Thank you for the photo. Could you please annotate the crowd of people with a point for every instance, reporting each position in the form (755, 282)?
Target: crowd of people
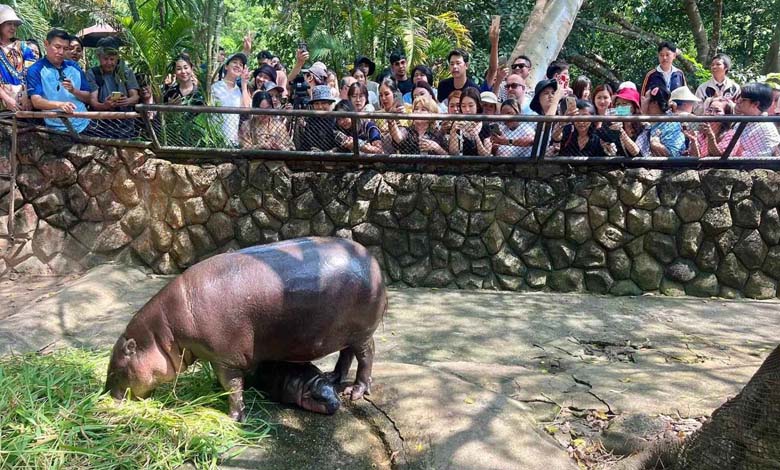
(57, 81)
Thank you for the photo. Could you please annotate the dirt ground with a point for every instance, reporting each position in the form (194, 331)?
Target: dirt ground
(16, 292)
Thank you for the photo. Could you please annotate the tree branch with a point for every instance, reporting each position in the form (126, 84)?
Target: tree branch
(631, 31)
(594, 67)
(698, 30)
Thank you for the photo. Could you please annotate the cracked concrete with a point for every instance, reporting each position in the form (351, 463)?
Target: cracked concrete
(463, 379)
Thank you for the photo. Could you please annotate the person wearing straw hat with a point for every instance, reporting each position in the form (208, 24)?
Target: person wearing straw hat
(773, 82)
(317, 132)
(13, 62)
(682, 100)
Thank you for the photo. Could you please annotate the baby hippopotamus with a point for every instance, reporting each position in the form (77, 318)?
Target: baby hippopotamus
(301, 384)
(293, 301)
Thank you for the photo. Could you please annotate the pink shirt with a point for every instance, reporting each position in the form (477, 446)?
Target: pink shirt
(723, 143)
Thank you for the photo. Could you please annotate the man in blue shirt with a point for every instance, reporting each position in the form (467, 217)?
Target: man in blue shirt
(56, 84)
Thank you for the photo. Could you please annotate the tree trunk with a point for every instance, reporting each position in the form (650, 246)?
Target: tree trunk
(544, 34)
(133, 6)
(743, 434)
(772, 62)
(717, 22)
(698, 30)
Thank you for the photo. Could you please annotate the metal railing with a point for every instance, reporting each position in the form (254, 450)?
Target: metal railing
(193, 133)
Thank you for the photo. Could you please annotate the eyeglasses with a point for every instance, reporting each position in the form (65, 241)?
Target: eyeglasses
(519, 66)
(515, 85)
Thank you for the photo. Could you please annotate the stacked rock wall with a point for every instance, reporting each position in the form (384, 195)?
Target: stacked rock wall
(703, 233)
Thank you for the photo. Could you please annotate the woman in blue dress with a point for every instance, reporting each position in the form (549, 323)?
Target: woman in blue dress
(14, 60)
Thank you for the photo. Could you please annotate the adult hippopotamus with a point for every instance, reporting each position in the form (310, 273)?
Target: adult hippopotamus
(293, 383)
(294, 301)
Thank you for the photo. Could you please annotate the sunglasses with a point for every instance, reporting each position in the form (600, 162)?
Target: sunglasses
(515, 85)
(519, 66)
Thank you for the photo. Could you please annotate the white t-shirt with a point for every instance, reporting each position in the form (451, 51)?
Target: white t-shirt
(524, 130)
(221, 95)
(759, 139)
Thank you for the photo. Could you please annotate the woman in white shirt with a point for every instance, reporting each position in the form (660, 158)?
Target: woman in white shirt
(228, 93)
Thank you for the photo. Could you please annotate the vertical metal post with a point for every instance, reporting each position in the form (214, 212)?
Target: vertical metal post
(11, 194)
(150, 128)
(355, 143)
(734, 140)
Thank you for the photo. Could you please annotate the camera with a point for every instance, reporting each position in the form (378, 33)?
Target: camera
(300, 95)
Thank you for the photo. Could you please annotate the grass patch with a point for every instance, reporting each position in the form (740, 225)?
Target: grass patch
(53, 415)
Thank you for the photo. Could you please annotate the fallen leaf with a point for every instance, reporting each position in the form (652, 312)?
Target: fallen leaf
(469, 400)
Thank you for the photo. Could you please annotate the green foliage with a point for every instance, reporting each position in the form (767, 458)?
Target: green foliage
(155, 41)
(55, 415)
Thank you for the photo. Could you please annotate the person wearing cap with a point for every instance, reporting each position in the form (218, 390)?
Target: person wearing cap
(759, 139)
(400, 74)
(228, 93)
(665, 75)
(13, 62)
(57, 84)
(627, 97)
(110, 77)
(719, 84)
(315, 75)
(489, 103)
(458, 61)
(317, 132)
(276, 92)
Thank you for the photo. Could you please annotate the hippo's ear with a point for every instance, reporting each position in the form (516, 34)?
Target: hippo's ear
(129, 347)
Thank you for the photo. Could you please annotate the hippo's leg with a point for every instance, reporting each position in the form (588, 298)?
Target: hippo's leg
(232, 380)
(341, 370)
(365, 360)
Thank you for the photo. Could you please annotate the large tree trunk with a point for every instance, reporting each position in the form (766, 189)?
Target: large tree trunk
(743, 434)
(544, 34)
(717, 22)
(698, 30)
(772, 62)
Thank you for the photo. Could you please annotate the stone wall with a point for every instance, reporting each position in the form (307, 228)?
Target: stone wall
(624, 232)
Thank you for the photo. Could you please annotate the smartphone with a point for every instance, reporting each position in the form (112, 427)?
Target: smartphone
(116, 95)
(624, 110)
(302, 46)
(692, 126)
(494, 128)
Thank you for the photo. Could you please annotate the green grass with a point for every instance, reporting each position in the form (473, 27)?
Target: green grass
(53, 415)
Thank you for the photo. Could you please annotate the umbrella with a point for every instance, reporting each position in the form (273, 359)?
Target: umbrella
(90, 36)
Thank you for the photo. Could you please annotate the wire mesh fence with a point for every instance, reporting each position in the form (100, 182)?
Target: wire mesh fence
(663, 140)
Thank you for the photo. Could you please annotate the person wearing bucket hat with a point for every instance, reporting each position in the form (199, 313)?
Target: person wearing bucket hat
(626, 103)
(317, 132)
(14, 59)
(261, 75)
(228, 92)
(546, 97)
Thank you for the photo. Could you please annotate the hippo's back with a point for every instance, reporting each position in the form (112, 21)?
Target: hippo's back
(295, 300)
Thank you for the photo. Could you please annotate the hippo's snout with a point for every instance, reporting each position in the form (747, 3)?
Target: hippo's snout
(324, 394)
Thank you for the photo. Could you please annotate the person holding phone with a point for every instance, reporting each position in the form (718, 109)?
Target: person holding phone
(470, 137)
(512, 138)
(57, 84)
(713, 138)
(114, 88)
(14, 57)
